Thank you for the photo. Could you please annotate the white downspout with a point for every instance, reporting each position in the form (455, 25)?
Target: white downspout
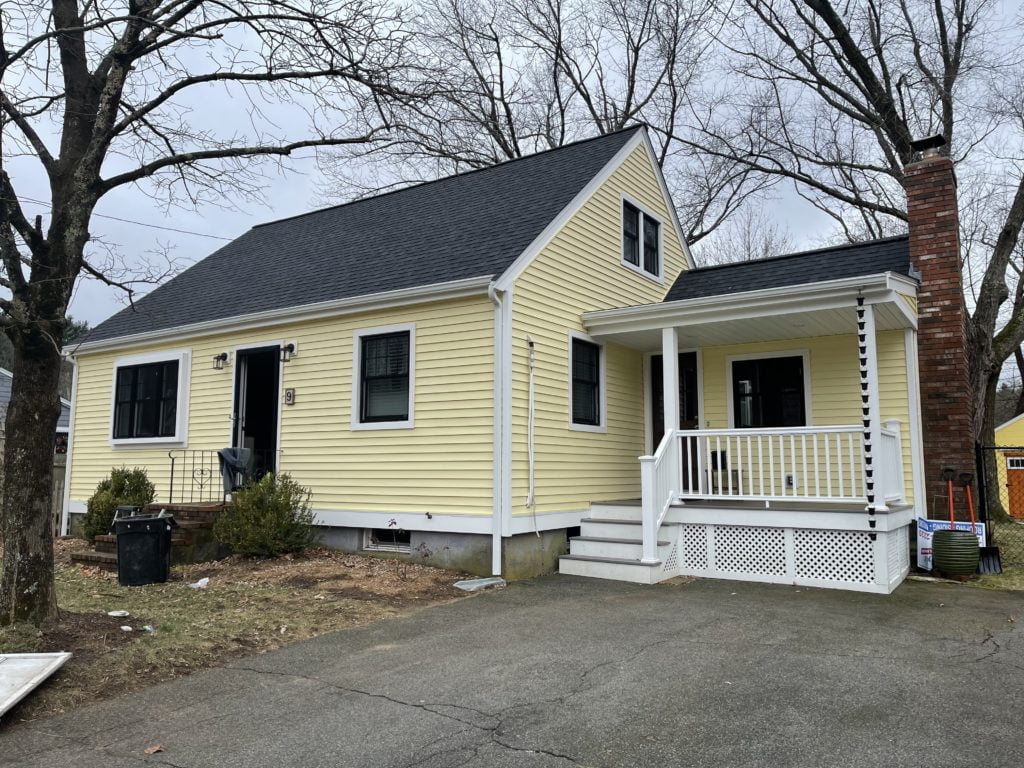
(65, 510)
(498, 475)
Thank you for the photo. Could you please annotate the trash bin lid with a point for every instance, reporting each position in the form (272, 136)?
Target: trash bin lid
(142, 523)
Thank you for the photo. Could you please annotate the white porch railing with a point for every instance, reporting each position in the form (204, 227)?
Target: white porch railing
(818, 464)
(891, 479)
(659, 480)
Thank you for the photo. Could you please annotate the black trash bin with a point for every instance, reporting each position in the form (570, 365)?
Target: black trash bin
(143, 548)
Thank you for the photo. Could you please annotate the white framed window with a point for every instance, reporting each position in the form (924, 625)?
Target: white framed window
(769, 389)
(384, 377)
(587, 385)
(149, 399)
(642, 239)
(1015, 462)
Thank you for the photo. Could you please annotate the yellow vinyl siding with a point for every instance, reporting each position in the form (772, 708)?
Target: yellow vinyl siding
(1011, 436)
(442, 465)
(834, 378)
(580, 270)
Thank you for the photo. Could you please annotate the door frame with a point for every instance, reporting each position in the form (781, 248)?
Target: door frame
(251, 347)
(649, 445)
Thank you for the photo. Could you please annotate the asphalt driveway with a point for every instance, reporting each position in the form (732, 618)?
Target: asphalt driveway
(563, 671)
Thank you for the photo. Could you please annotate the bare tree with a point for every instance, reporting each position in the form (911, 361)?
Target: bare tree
(830, 96)
(100, 95)
(750, 233)
(516, 78)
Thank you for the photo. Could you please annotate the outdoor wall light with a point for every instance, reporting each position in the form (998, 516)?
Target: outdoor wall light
(286, 352)
(219, 361)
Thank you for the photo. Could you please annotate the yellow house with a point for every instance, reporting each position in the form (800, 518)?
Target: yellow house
(473, 371)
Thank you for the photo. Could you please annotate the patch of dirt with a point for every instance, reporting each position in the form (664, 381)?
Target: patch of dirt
(249, 606)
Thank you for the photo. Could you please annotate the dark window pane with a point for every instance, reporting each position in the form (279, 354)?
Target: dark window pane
(769, 392)
(630, 234)
(586, 384)
(384, 370)
(146, 400)
(652, 256)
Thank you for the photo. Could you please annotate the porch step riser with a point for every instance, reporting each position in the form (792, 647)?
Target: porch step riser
(615, 512)
(595, 569)
(609, 530)
(631, 551)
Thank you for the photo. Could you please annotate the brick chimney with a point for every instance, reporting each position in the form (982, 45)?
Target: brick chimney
(946, 400)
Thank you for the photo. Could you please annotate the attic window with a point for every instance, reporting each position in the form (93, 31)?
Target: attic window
(641, 240)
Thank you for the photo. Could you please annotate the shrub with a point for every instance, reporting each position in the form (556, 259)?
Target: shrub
(268, 518)
(124, 486)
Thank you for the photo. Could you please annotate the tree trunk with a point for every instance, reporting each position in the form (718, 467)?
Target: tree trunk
(26, 584)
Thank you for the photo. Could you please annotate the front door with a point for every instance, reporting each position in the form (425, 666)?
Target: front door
(689, 403)
(256, 404)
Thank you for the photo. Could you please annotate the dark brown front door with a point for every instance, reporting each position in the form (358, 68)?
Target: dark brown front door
(689, 403)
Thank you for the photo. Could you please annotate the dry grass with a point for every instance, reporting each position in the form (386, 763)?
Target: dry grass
(248, 607)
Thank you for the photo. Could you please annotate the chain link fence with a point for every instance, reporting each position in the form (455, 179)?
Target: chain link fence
(1002, 499)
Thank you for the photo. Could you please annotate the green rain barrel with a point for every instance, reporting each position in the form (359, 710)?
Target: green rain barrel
(955, 552)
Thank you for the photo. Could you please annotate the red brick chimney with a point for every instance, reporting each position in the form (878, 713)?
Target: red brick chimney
(946, 399)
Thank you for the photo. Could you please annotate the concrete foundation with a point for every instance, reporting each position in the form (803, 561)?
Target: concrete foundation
(522, 557)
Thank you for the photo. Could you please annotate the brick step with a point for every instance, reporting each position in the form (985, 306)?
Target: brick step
(205, 512)
(107, 560)
(105, 542)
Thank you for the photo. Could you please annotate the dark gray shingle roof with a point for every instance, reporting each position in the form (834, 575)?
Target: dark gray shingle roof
(869, 258)
(471, 225)
(6, 379)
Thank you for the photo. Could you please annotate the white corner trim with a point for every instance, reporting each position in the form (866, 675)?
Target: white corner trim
(914, 428)
(602, 385)
(65, 508)
(804, 353)
(508, 277)
(357, 368)
(180, 437)
(455, 289)
(648, 213)
(652, 155)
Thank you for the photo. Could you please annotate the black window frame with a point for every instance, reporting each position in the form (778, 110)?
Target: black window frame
(365, 379)
(130, 412)
(778, 398)
(592, 384)
(638, 250)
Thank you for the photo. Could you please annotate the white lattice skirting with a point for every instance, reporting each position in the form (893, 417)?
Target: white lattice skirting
(813, 557)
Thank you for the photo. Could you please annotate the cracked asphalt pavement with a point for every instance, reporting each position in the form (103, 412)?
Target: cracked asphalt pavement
(562, 671)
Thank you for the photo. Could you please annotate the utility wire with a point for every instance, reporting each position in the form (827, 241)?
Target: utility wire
(139, 223)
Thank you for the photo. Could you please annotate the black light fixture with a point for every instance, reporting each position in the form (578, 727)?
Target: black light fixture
(286, 352)
(219, 361)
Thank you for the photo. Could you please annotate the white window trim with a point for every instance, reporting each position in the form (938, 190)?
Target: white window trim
(357, 367)
(646, 211)
(805, 354)
(180, 437)
(602, 385)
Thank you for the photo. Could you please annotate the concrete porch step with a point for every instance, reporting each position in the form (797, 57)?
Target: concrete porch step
(615, 568)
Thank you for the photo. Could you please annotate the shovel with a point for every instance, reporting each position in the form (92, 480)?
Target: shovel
(990, 561)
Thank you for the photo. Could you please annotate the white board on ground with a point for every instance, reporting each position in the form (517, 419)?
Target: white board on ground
(21, 673)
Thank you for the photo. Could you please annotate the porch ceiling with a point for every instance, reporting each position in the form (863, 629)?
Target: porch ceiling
(822, 309)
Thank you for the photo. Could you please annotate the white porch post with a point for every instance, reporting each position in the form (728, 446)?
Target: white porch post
(670, 377)
(870, 411)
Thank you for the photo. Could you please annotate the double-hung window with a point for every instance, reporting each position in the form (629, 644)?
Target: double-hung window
(147, 400)
(769, 392)
(385, 379)
(586, 371)
(641, 240)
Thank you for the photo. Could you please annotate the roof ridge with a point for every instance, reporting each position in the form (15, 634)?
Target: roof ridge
(810, 252)
(510, 161)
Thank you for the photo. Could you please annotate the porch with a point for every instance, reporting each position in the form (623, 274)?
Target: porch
(775, 493)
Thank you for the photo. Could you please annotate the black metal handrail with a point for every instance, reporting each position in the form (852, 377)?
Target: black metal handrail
(196, 475)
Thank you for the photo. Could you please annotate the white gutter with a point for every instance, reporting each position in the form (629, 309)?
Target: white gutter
(454, 289)
(502, 301)
(748, 304)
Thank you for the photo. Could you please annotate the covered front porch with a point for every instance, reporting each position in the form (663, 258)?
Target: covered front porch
(794, 453)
